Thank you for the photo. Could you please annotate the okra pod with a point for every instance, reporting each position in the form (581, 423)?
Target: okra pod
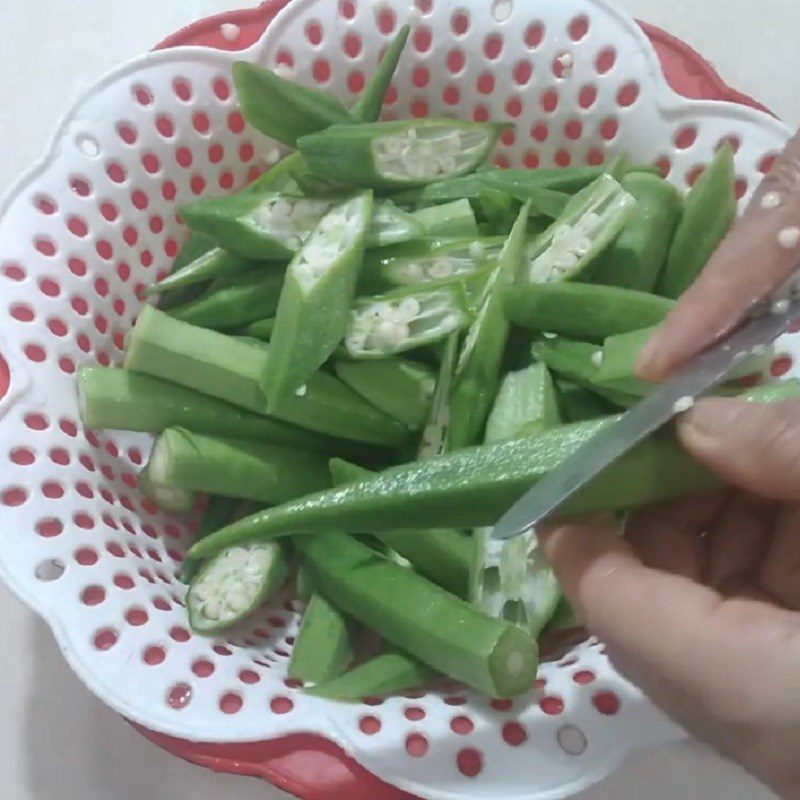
(368, 106)
(636, 258)
(230, 370)
(583, 310)
(221, 510)
(576, 404)
(170, 498)
(391, 225)
(260, 329)
(709, 211)
(442, 191)
(322, 650)
(400, 388)
(120, 399)
(386, 155)
(194, 248)
(235, 467)
(433, 441)
(437, 628)
(591, 221)
(382, 675)
(407, 318)
(284, 110)
(478, 370)
(234, 301)
(454, 220)
(233, 584)
(473, 488)
(212, 264)
(525, 183)
(315, 301)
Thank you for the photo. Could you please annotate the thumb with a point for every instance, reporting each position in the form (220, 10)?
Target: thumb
(754, 446)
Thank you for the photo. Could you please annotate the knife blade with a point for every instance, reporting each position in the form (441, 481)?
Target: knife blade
(667, 400)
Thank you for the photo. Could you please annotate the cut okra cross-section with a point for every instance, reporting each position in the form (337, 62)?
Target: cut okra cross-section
(591, 221)
(398, 154)
(407, 318)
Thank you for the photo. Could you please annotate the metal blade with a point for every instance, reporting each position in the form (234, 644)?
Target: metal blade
(701, 374)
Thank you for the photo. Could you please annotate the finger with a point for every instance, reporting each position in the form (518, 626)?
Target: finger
(780, 569)
(736, 545)
(757, 257)
(754, 446)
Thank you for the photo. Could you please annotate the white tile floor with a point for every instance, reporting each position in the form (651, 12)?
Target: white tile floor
(49, 50)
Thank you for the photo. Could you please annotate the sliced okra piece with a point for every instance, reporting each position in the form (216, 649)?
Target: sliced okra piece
(368, 106)
(212, 264)
(219, 512)
(434, 260)
(591, 221)
(635, 259)
(322, 650)
(315, 301)
(709, 211)
(407, 318)
(235, 467)
(231, 370)
(397, 154)
(233, 584)
(236, 300)
(498, 209)
(577, 404)
(478, 370)
(435, 434)
(391, 225)
(454, 220)
(170, 498)
(278, 178)
(401, 388)
(473, 488)
(284, 110)
(194, 248)
(382, 675)
(443, 191)
(583, 311)
(523, 184)
(442, 631)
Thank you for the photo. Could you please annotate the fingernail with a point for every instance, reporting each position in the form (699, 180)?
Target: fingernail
(713, 417)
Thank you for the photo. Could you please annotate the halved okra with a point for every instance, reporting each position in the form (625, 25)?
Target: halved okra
(478, 370)
(234, 300)
(454, 220)
(591, 221)
(583, 310)
(442, 631)
(473, 488)
(231, 370)
(391, 225)
(235, 467)
(233, 584)
(709, 211)
(435, 434)
(211, 264)
(315, 301)
(636, 258)
(395, 154)
(322, 650)
(401, 388)
(431, 260)
(407, 318)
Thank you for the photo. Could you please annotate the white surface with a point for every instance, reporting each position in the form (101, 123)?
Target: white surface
(45, 707)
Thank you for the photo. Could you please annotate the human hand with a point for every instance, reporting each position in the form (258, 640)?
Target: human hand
(699, 604)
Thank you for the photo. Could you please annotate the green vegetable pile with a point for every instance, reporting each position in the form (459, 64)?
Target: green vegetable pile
(373, 350)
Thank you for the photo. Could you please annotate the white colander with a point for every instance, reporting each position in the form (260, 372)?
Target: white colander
(96, 220)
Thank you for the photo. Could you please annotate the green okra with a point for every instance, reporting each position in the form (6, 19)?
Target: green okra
(194, 248)
(121, 399)
(498, 209)
(368, 106)
(386, 155)
(221, 510)
(170, 498)
(322, 650)
(576, 404)
(443, 191)
(237, 300)
(382, 675)
(315, 301)
(391, 225)
(211, 264)
(260, 329)
(709, 211)
(401, 388)
(590, 222)
(478, 371)
(454, 220)
(230, 370)
(636, 258)
(303, 586)
(233, 584)
(284, 110)
(435, 434)
(473, 488)
(235, 467)
(440, 630)
(431, 260)
(407, 318)
(443, 556)
(526, 184)
(583, 310)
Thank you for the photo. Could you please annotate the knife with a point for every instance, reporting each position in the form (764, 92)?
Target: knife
(702, 373)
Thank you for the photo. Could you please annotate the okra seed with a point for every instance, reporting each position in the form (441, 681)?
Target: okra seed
(770, 201)
(301, 391)
(789, 238)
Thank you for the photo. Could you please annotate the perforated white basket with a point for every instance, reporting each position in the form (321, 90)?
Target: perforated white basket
(97, 219)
